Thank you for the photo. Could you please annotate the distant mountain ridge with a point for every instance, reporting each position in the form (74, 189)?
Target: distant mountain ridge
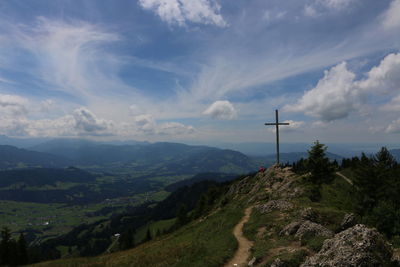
(396, 154)
(162, 156)
(12, 157)
(155, 157)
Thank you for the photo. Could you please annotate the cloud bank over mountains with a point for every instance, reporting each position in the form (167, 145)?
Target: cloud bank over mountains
(80, 122)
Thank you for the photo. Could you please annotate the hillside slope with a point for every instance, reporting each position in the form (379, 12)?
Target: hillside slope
(13, 157)
(284, 228)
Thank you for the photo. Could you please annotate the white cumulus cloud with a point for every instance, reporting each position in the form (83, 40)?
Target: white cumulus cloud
(310, 11)
(391, 18)
(394, 127)
(146, 124)
(385, 77)
(87, 122)
(223, 110)
(182, 11)
(338, 94)
(393, 105)
(175, 128)
(333, 98)
(12, 105)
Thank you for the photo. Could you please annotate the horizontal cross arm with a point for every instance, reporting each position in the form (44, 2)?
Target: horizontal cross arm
(280, 123)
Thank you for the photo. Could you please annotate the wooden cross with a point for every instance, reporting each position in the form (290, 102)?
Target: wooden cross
(277, 123)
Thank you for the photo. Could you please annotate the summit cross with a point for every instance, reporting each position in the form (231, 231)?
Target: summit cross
(277, 123)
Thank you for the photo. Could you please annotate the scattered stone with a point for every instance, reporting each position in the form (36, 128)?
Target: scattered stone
(277, 263)
(291, 229)
(356, 246)
(251, 263)
(396, 257)
(312, 229)
(259, 197)
(292, 192)
(272, 205)
(309, 214)
(241, 187)
(301, 228)
(349, 220)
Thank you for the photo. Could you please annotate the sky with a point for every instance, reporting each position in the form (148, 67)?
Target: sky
(201, 70)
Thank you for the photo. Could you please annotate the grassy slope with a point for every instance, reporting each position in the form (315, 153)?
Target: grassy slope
(207, 242)
(210, 242)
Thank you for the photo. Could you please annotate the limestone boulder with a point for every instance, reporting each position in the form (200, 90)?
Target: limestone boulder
(357, 246)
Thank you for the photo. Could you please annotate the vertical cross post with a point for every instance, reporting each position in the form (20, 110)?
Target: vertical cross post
(277, 135)
(276, 124)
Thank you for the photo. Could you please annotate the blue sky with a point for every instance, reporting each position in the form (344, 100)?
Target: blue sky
(201, 70)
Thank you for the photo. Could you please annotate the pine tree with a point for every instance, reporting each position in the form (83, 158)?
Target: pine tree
(318, 164)
(182, 217)
(201, 206)
(5, 246)
(158, 233)
(384, 160)
(126, 240)
(13, 253)
(148, 235)
(22, 250)
(375, 180)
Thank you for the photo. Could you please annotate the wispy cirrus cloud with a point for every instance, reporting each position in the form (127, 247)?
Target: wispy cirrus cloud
(68, 56)
(318, 7)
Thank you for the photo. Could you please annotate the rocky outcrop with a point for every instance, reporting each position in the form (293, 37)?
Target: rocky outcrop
(241, 187)
(309, 214)
(302, 228)
(357, 246)
(348, 221)
(291, 229)
(396, 257)
(312, 229)
(252, 261)
(272, 205)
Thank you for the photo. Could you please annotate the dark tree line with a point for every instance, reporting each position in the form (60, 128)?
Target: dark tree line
(12, 252)
(376, 185)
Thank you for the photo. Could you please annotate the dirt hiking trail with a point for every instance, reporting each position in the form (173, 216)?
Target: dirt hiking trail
(244, 245)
